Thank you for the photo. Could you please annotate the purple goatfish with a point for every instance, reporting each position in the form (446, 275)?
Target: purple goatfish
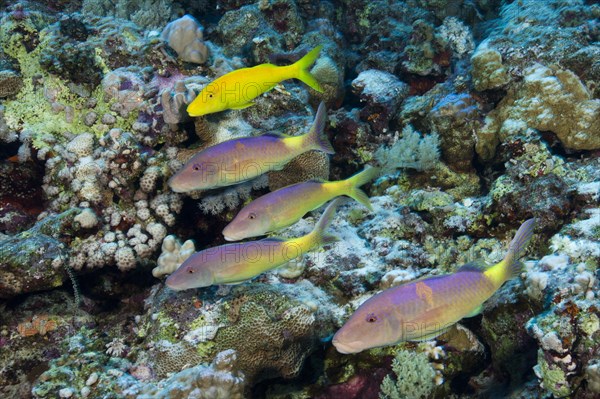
(238, 160)
(284, 207)
(423, 309)
(238, 262)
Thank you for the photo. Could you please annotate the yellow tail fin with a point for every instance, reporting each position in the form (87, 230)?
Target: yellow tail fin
(302, 65)
(353, 183)
(510, 266)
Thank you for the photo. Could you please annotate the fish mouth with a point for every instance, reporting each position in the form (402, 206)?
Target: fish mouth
(170, 285)
(172, 183)
(229, 236)
(345, 347)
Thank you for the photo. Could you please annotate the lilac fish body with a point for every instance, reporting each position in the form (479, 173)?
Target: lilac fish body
(423, 309)
(284, 207)
(238, 262)
(238, 160)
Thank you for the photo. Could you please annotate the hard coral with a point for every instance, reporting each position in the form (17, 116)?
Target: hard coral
(272, 331)
(307, 166)
(456, 118)
(10, 83)
(544, 94)
(184, 35)
(382, 92)
(173, 255)
(30, 261)
(220, 380)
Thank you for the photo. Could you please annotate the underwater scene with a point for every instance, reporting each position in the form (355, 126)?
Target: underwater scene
(293, 199)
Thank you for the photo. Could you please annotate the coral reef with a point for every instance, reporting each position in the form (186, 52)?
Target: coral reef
(482, 114)
(221, 380)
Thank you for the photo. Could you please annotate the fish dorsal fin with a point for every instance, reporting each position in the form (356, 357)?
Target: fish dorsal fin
(277, 135)
(475, 266)
(431, 336)
(268, 65)
(273, 239)
(316, 180)
(423, 278)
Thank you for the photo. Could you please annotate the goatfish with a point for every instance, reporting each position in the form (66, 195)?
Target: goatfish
(423, 309)
(238, 160)
(237, 89)
(284, 207)
(238, 262)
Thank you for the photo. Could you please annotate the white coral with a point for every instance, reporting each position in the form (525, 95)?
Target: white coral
(184, 35)
(457, 35)
(86, 218)
(116, 347)
(411, 151)
(173, 255)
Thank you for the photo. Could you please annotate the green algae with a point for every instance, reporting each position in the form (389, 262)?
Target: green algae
(32, 110)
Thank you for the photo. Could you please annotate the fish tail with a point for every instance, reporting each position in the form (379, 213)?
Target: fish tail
(321, 237)
(301, 69)
(511, 265)
(353, 183)
(316, 138)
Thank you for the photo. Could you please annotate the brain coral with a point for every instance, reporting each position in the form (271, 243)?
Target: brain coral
(310, 165)
(271, 333)
(10, 83)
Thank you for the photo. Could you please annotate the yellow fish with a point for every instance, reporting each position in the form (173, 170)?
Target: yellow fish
(237, 89)
(423, 309)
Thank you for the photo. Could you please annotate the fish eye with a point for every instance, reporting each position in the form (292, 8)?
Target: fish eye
(371, 318)
(210, 95)
(191, 271)
(252, 216)
(196, 167)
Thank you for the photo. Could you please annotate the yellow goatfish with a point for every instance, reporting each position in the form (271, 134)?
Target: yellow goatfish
(237, 89)
(238, 160)
(284, 207)
(423, 309)
(235, 263)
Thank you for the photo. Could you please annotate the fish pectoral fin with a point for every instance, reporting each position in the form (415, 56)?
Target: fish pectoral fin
(475, 311)
(242, 106)
(235, 282)
(276, 135)
(425, 327)
(273, 239)
(431, 336)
